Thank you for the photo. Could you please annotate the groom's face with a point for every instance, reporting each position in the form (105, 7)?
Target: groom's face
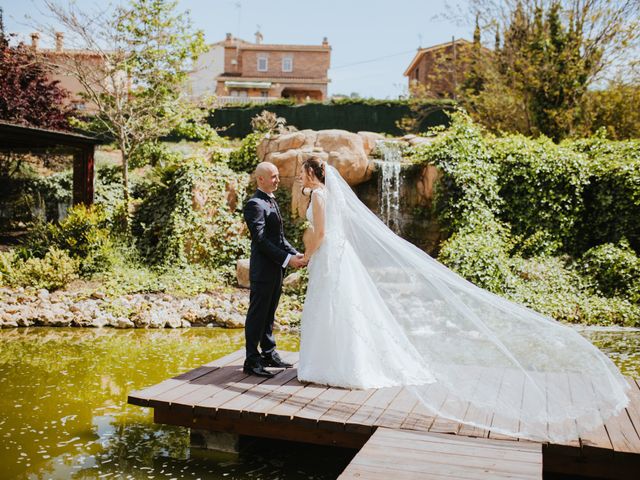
(271, 179)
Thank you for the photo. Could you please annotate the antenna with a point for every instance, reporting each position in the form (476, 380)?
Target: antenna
(238, 5)
(419, 40)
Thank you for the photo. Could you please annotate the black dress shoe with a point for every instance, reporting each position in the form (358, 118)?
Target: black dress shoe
(273, 360)
(257, 370)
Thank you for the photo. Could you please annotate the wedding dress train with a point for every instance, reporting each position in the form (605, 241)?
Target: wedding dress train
(380, 312)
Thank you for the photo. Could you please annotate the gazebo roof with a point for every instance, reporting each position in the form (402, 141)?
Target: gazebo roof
(21, 137)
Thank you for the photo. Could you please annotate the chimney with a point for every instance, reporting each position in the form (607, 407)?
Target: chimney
(325, 42)
(229, 37)
(259, 37)
(59, 41)
(35, 38)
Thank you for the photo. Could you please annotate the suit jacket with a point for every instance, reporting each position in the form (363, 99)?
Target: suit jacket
(269, 248)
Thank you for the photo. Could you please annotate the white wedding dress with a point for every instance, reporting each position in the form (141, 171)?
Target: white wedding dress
(380, 312)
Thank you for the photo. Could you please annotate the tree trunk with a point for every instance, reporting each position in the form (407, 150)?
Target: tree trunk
(125, 181)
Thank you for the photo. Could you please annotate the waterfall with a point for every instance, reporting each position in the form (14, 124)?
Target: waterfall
(389, 183)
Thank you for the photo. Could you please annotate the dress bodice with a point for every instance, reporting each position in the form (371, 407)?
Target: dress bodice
(317, 191)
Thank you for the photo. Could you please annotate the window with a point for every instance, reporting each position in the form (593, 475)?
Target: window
(417, 73)
(264, 93)
(263, 63)
(287, 64)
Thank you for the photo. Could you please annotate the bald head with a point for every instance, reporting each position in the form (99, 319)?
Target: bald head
(267, 176)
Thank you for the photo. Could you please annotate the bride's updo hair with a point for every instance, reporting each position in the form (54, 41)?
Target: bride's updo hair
(316, 165)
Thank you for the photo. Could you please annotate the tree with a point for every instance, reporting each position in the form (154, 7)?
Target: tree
(26, 96)
(145, 50)
(548, 54)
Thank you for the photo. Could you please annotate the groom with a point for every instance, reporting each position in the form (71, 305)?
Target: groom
(271, 253)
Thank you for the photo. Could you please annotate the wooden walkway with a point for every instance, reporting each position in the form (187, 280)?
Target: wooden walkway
(219, 397)
(407, 454)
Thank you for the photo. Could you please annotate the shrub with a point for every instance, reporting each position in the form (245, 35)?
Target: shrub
(186, 217)
(614, 269)
(55, 270)
(517, 211)
(83, 234)
(481, 256)
(245, 158)
(542, 186)
(612, 197)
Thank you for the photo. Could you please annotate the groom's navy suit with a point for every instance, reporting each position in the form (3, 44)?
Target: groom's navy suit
(270, 253)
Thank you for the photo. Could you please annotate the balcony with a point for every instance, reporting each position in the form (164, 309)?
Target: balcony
(222, 101)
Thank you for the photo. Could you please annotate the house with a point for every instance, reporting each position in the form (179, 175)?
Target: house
(237, 71)
(61, 62)
(440, 68)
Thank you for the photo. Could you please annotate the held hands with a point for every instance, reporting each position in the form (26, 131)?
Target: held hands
(298, 261)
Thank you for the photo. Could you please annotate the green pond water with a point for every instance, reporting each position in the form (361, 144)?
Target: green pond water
(63, 410)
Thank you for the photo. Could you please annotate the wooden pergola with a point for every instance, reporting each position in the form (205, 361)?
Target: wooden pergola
(22, 139)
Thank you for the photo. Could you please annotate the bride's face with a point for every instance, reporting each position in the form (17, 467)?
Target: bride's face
(307, 178)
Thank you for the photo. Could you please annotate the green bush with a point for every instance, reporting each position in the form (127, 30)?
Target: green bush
(152, 153)
(481, 256)
(614, 269)
(542, 186)
(245, 158)
(84, 234)
(612, 197)
(186, 217)
(55, 270)
(518, 211)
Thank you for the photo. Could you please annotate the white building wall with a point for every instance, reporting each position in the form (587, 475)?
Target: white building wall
(202, 80)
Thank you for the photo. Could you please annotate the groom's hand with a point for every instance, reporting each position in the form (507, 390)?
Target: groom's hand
(297, 261)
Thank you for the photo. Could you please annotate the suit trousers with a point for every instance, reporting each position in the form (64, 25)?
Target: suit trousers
(258, 330)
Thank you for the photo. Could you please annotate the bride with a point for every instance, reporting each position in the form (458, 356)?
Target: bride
(380, 312)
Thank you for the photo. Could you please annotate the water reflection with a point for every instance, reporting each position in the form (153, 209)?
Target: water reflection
(63, 398)
(622, 345)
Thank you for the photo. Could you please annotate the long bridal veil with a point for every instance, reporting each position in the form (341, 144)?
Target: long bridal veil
(492, 364)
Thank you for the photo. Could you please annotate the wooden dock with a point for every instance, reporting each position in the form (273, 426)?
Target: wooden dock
(219, 397)
(407, 454)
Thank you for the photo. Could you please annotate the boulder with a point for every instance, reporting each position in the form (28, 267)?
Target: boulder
(344, 150)
(369, 140)
(346, 154)
(287, 162)
(242, 272)
(426, 182)
(122, 322)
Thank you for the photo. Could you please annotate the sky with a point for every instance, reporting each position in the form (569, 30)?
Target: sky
(373, 41)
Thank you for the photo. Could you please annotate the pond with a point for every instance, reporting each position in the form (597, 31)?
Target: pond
(64, 412)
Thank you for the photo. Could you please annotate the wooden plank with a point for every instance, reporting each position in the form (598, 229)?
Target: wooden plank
(283, 411)
(409, 454)
(511, 393)
(141, 397)
(259, 408)
(448, 465)
(363, 420)
(235, 386)
(336, 417)
(476, 416)
(242, 426)
(419, 418)
(558, 389)
(596, 441)
(623, 435)
(398, 410)
(443, 443)
(312, 411)
(633, 409)
(234, 407)
(213, 380)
